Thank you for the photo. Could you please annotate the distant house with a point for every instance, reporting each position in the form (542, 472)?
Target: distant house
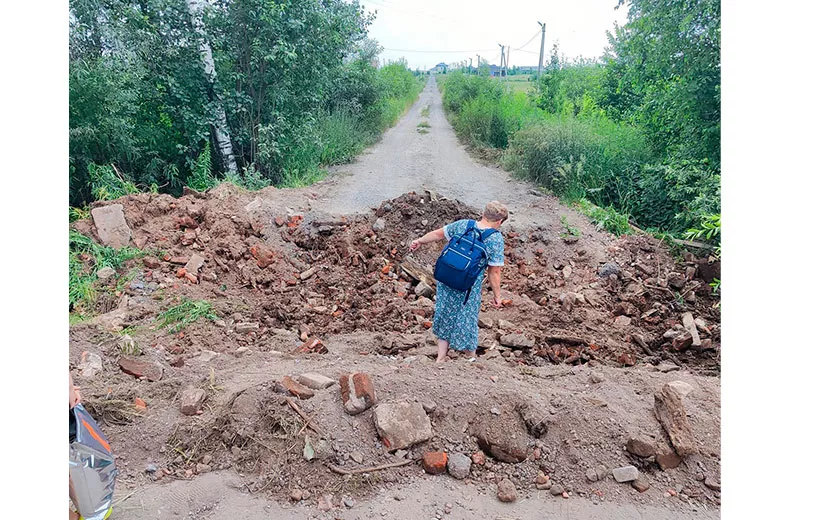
(440, 68)
(494, 70)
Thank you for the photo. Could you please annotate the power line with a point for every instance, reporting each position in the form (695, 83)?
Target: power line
(529, 41)
(437, 51)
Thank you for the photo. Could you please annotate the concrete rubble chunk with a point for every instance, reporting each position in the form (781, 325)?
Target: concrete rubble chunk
(514, 340)
(506, 491)
(681, 388)
(402, 424)
(91, 364)
(625, 474)
(246, 327)
(379, 225)
(689, 324)
(458, 465)
(105, 273)
(503, 436)
(111, 226)
(640, 446)
(357, 392)
(640, 485)
(672, 415)
(140, 366)
(423, 289)
(195, 263)
(315, 381)
(192, 399)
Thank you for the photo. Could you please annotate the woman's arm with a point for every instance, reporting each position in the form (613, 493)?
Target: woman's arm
(432, 236)
(495, 279)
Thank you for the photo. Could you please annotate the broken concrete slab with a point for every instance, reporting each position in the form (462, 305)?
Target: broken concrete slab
(502, 436)
(91, 364)
(625, 474)
(514, 340)
(315, 381)
(672, 415)
(195, 263)
(111, 226)
(192, 399)
(640, 446)
(402, 424)
(689, 324)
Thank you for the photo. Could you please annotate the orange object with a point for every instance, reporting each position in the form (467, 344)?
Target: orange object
(507, 303)
(393, 251)
(181, 272)
(140, 404)
(427, 324)
(386, 268)
(166, 258)
(191, 277)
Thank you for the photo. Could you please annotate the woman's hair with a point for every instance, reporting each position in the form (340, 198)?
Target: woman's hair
(495, 211)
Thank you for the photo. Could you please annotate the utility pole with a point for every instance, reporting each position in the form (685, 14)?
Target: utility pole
(542, 50)
(501, 59)
(470, 66)
(507, 59)
(478, 63)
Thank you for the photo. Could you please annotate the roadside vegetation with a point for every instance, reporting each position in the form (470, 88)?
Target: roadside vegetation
(146, 115)
(633, 137)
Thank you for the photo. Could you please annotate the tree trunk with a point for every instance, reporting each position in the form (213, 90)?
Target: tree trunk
(220, 127)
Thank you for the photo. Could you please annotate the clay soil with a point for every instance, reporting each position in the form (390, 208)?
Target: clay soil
(594, 313)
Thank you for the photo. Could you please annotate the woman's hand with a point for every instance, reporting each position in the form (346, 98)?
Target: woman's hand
(497, 302)
(415, 244)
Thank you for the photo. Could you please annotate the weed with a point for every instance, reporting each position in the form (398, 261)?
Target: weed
(422, 131)
(605, 218)
(188, 311)
(425, 111)
(570, 231)
(710, 230)
(128, 346)
(424, 124)
(106, 183)
(716, 285)
(200, 178)
(86, 257)
(78, 213)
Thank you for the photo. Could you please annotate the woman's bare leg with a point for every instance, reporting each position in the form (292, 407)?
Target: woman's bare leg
(442, 355)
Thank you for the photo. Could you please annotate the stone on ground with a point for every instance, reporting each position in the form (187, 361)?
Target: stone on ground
(402, 424)
(672, 415)
(502, 436)
(111, 226)
(506, 490)
(140, 366)
(296, 389)
(458, 465)
(434, 462)
(105, 273)
(315, 381)
(625, 473)
(91, 364)
(192, 399)
(514, 340)
(640, 446)
(640, 484)
(195, 263)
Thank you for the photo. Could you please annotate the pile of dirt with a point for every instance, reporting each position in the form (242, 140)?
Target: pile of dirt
(283, 283)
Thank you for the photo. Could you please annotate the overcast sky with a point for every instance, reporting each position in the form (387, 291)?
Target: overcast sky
(476, 26)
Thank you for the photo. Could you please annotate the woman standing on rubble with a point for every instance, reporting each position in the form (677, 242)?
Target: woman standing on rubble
(456, 317)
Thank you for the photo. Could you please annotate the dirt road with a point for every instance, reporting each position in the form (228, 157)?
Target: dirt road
(592, 407)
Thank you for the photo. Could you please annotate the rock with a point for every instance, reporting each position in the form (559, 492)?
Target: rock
(596, 377)
(625, 474)
(206, 356)
(542, 478)
(534, 419)
(682, 341)
(264, 256)
(502, 437)
(297, 495)
(105, 273)
(202, 468)
(195, 263)
(379, 225)
(191, 400)
(668, 367)
(478, 458)
(296, 389)
(514, 340)
(625, 309)
(151, 468)
(357, 392)
(505, 325)
(91, 364)
(434, 462)
(241, 351)
(506, 490)
(667, 459)
(557, 489)
(324, 503)
(246, 327)
(357, 457)
(608, 269)
(676, 280)
(640, 446)
(151, 262)
(348, 502)
(712, 483)
(111, 226)
(486, 323)
(640, 484)
(596, 474)
(458, 465)
(141, 367)
(305, 275)
(672, 415)
(315, 381)
(567, 272)
(429, 405)
(701, 325)
(626, 359)
(681, 388)
(402, 424)
(623, 321)
(423, 289)
(689, 325)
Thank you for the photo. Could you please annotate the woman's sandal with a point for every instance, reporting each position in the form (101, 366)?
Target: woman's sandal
(109, 512)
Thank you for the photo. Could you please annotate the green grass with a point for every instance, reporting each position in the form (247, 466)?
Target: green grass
(183, 314)
(605, 218)
(425, 111)
(86, 257)
(423, 124)
(570, 230)
(422, 131)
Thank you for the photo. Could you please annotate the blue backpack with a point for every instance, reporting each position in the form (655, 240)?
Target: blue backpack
(463, 258)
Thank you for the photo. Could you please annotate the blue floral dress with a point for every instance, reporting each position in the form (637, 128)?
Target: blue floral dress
(453, 320)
